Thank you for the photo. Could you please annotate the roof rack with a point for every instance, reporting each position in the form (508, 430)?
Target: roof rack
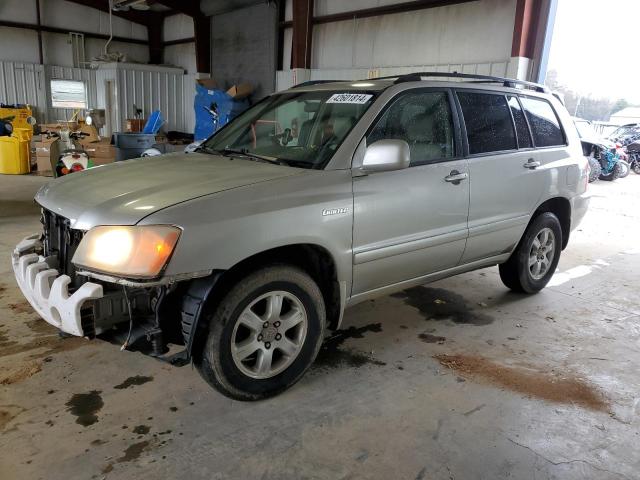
(507, 82)
(316, 82)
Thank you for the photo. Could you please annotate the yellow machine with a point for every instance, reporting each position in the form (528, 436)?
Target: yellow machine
(14, 143)
(20, 114)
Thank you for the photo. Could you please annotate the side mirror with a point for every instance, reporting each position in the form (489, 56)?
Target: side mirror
(386, 155)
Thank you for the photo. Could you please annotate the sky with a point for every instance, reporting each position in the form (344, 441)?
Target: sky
(595, 47)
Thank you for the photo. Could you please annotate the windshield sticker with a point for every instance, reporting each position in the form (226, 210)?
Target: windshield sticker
(357, 98)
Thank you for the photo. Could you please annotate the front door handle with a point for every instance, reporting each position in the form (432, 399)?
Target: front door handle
(531, 164)
(456, 177)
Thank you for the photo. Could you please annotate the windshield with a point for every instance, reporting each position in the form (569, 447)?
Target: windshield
(299, 129)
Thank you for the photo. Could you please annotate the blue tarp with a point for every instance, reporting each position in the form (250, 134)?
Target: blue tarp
(218, 101)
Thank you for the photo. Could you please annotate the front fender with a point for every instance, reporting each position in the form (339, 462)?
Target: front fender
(221, 230)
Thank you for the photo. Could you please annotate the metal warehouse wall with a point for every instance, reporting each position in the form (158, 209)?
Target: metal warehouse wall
(473, 37)
(170, 92)
(23, 83)
(21, 45)
(146, 86)
(243, 47)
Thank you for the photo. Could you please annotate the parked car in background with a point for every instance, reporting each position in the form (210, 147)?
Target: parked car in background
(248, 251)
(625, 134)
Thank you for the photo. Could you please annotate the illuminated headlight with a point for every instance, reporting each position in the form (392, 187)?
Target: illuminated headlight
(130, 251)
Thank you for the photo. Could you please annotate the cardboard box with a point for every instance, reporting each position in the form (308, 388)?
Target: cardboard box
(42, 147)
(100, 153)
(242, 90)
(208, 83)
(135, 124)
(91, 131)
(43, 164)
(56, 127)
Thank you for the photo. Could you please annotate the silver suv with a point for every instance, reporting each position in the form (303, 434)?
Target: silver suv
(317, 198)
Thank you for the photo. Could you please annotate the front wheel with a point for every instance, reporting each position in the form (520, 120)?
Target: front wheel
(534, 261)
(594, 169)
(635, 166)
(264, 335)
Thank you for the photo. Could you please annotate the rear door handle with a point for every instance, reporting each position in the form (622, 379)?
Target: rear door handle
(456, 177)
(531, 164)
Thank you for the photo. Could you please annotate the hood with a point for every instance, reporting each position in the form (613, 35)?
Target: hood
(123, 193)
(595, 140)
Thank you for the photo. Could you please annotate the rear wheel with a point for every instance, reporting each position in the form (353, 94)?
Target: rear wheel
(624, 169)
(534, 261)
(635, 166)
(613, 175)
(264, 335)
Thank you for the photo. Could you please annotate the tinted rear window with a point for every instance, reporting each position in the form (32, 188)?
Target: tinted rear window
(545, 125)
(522, 129)
(488, 122)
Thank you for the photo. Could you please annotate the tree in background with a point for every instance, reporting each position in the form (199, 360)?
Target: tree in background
(620, 105)
(585, 106)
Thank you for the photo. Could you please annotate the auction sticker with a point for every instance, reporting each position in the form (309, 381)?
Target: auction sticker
(357, 98)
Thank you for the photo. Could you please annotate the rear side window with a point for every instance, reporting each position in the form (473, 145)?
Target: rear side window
(545, 125)
(522, 129)
(488, 122)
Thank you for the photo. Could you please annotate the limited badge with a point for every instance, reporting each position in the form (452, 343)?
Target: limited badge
(334, 211)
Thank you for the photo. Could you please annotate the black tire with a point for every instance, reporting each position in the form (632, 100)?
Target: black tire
(624, 169)
(614, 175)
(216, 364)
(594, 169)
(635, 166)
(515, 272)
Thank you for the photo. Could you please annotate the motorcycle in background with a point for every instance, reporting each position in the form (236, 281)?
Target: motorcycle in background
(66, 157)
(633, 151)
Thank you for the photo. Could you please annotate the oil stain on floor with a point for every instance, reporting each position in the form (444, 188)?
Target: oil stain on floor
(331, 354)
(440, 304)
(547, 386)
(132, 453)
(85, 406)
(428, 338)
(133, 381)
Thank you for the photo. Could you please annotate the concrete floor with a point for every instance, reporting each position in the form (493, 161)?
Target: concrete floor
(457, 380)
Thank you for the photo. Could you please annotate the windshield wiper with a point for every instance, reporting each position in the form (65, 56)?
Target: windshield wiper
(245, 153)
(206, 149)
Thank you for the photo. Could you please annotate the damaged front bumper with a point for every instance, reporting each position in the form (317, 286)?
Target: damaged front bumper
(48, 292)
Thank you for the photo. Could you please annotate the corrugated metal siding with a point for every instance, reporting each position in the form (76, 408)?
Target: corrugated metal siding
(150, 89)
(23, 83)
(284, 78)
(171, 93)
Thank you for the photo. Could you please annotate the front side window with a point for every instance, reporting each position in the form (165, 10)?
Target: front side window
(301, 129)
(545, 125)
(424, 121)
(488, 122)
(522, 129)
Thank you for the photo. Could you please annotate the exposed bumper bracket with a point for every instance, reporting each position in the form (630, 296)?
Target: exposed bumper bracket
(47, 291)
